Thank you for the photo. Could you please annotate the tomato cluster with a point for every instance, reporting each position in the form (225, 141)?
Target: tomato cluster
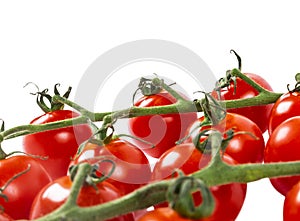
(283, 146)
(281, 120)
(39, 185)
(246, 146)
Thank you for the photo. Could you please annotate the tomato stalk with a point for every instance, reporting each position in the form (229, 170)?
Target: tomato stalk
(3, 155)
(31, 128)
(182, 105)
(264, 96)
(155, 192)
(9, 181)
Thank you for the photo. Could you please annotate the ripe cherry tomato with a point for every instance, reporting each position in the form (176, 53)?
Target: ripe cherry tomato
(162, 214)
(161, 130)
(58, 145)
(258, 114)
(291, 207)
(22, 190)
(283, 145)
(53, 195)
(247, 145)
(287, 106)
(229, 198)
(5, 217)
(132, 168)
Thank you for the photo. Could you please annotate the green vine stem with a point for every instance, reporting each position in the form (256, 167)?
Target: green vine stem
(31, 128)
(264, 96)
(154, 193)
(182, 105)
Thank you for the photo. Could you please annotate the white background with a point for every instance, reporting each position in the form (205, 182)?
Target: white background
(49, 42)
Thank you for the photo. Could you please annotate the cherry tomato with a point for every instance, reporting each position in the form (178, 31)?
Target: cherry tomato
(58, 145)
(132, 168)
(53, 195)
(22, 190)
(283, 145)
(5, 217)
(247, 145)
(258, 114)
(287, 106)
(161, 130)
(229, 198)
(162, 214)
(291, 207)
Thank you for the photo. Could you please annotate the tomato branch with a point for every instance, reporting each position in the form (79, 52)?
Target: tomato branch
(263, 98)
(182, 105)
(237, 73)
(31, 128)
(216, 173)
(155, 192)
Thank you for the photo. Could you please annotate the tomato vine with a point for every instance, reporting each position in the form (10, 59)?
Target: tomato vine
(154, 193)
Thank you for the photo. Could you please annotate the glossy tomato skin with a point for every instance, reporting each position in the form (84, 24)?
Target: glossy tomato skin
(21, 191)
(229, 198)
(282, 146)
(258, 114)
(53, 195)
(287, 106)
(248, 145)
(162, 214)
(132, 168)
(58, 145)
(5, 217)
(161, 130)
(291, 207)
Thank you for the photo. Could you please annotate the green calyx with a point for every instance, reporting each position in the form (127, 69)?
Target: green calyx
(229, 78)
(180, 197)
(42, 95)
(297, 85)
(93, 177)
(149, 87)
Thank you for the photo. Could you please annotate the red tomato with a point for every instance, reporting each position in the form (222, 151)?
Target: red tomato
(287, 106)
(22, 190)
(53, 195)
(59, 145)
(161, 130)
(5, 217)
(229, 198)
(258, 114)
(162, 214)
(282, 146)
(245, 147)
(291, 207)
(132, 168)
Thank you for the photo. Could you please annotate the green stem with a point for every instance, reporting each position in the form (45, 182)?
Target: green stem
(3, 155)
(173, 92)
(82, 110)
(70, 206)
(265, 97)
(238, 73)
(155, 192)
(34, 128)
